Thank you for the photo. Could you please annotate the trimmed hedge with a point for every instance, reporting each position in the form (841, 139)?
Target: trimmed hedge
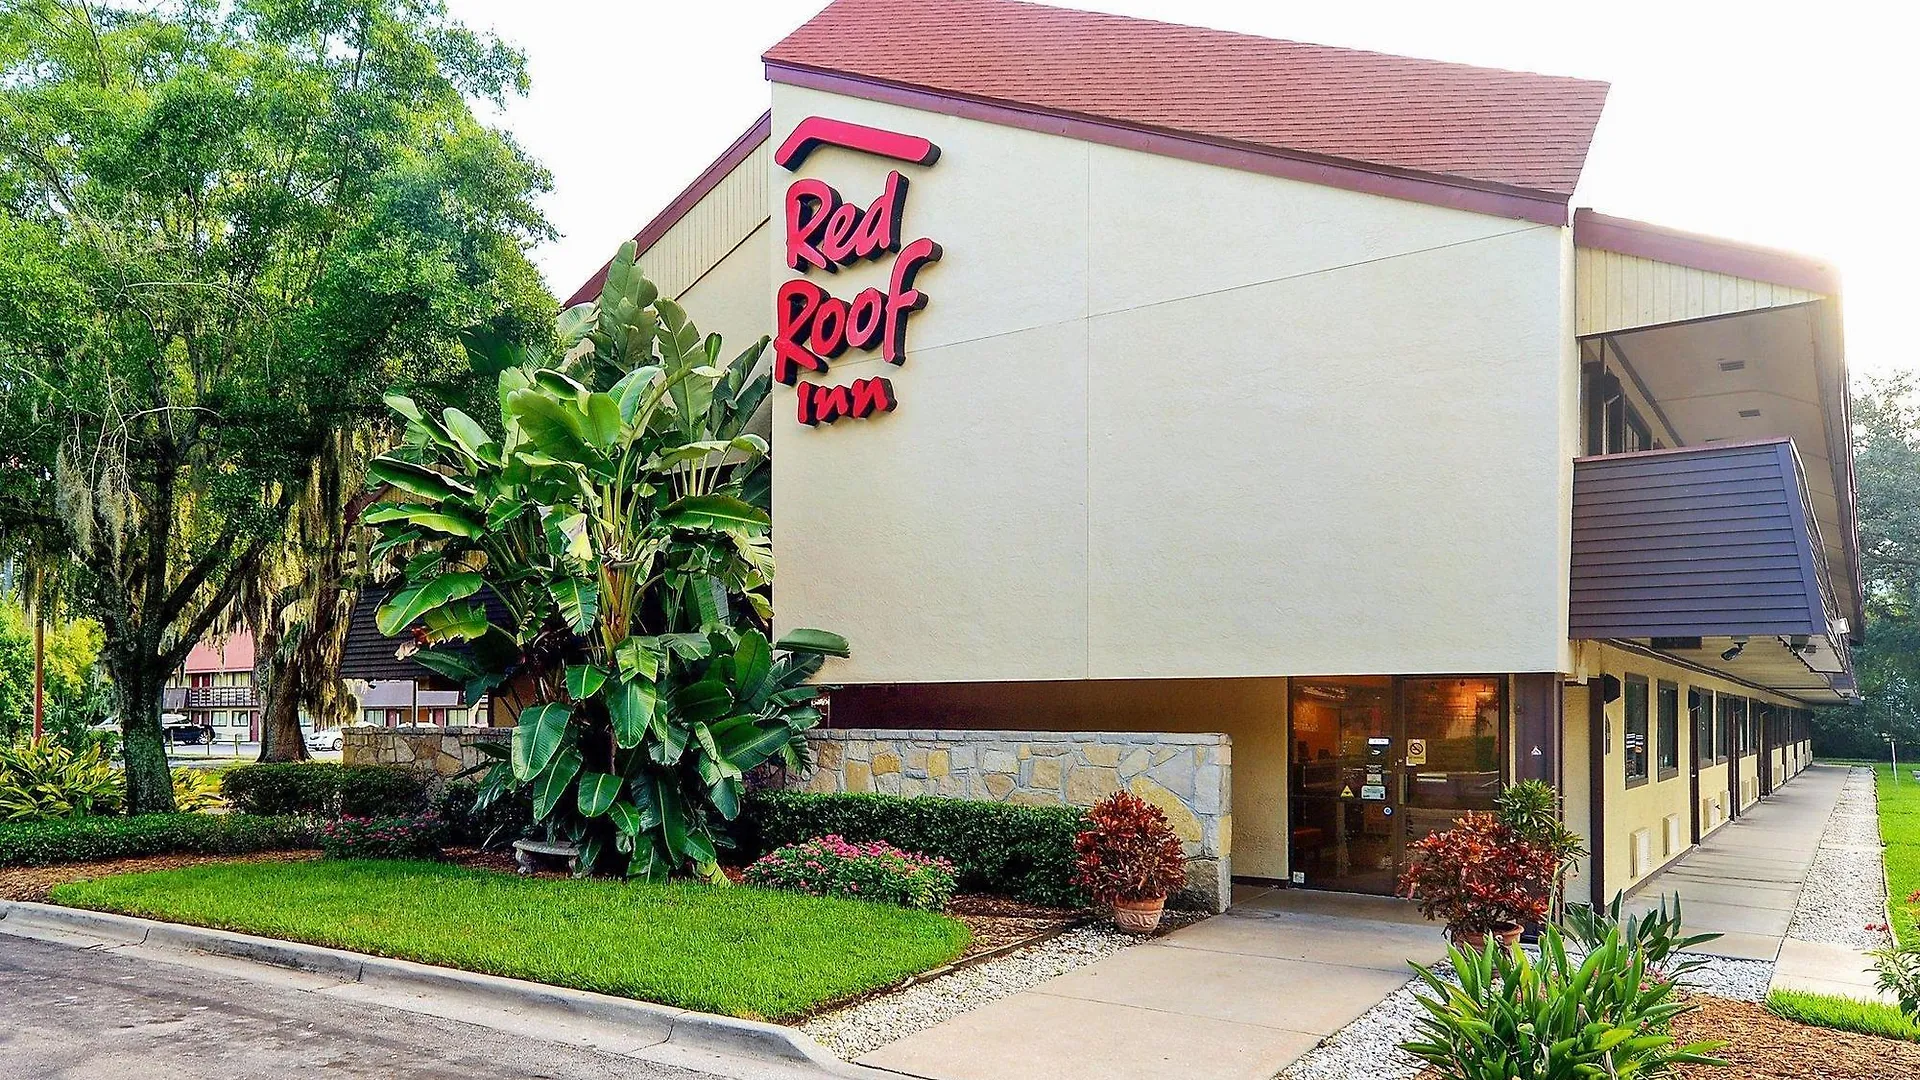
(1022, 852)
(508, 819)
(89, 839)
(326, 789)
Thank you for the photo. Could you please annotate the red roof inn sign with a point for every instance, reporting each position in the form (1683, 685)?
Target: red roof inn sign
(826, 233)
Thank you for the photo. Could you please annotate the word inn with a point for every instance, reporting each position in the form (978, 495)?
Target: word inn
(825, 232)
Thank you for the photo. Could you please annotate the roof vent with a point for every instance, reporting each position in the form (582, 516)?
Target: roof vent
(1748, 414)
(1733, 365)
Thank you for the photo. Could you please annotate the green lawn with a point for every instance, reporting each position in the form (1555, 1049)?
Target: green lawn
(1900, 829)
(1843, 1014)
(744, 952)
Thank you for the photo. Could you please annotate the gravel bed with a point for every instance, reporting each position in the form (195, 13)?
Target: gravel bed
(868, 1025)
(1369, 1047)
(1726, 977)
(1846, 891)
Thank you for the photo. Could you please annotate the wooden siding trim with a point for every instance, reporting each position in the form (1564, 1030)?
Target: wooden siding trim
(1616, 292)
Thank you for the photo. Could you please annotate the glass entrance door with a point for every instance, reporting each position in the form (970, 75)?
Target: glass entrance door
(1377, 762)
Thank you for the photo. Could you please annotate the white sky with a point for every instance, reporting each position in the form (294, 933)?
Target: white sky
(1785, 125)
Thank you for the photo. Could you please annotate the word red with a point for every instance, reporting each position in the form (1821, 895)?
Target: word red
(812, 326)
(822, 231)
(825, 404)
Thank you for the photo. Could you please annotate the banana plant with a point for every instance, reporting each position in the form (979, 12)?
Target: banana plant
(616, 520)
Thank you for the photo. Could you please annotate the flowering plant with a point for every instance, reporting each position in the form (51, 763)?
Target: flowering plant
(418, 837)
(876, 871)
(1481, 876)
(1129, 852)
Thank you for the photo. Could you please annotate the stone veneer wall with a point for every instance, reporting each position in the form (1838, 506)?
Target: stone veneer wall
(443, 750)
(1187, 776)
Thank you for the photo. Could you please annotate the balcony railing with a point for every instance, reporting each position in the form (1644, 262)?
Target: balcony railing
(220, 697)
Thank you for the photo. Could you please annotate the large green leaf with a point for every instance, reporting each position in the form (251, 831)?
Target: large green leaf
(551, 785)
(473, 438)
(579, 601)
(555, 428)
(407, 605)
(633, 390)
(417, 480)
(746, 748)
(670, 739)
(630, 704)
(708, 699)
(715, 513)
(602, 420)
(639, 657)
(584, 681)
(753, 670)
(673, 817)
(597, 790)
(625, 818)
(822, 642)
(537, 738)
(462, 620)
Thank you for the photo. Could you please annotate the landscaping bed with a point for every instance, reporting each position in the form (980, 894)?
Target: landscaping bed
(739, 951)
(1768, 1047)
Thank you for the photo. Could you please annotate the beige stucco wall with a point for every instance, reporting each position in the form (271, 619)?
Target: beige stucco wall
(1253, 712)
(1160, 419)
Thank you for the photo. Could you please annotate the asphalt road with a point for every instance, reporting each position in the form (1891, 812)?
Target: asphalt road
(68, 1013)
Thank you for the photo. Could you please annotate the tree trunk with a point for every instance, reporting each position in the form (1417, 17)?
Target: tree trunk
(139, 688)
(280, 736)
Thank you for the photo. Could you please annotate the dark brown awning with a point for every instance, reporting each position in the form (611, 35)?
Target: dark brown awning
(1679, 549)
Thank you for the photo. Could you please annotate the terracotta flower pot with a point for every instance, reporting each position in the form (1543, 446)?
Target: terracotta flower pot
(1509, 936)
(1138, 916)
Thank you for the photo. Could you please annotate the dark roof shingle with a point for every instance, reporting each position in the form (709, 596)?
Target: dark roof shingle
(1482, 125)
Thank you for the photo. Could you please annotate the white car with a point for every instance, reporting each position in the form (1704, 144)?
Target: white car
(329, 739)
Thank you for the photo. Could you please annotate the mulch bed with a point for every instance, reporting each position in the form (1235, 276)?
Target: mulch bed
(33, 883)
(1763, 1046)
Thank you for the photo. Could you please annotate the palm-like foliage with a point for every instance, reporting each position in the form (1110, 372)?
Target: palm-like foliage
(624, 534)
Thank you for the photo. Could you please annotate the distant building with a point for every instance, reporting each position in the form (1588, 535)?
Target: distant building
(402, 702)
(214, 689)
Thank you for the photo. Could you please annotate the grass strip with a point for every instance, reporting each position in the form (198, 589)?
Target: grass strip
(738, 951)
(1843, 1014)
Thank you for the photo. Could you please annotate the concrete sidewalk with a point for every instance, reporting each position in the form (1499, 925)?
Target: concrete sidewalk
(1237, 997)
(1745, 878)
(1745, 881)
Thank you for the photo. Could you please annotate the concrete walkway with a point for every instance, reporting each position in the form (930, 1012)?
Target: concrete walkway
(1745, 880)
(1236, 997)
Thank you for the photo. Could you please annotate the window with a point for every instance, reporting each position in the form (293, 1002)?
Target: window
(1737, 728)
(1666, 743)
(1701, 704)
(1636, 742)
(1613, 425)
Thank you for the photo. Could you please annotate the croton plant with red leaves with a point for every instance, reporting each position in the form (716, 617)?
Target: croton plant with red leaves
(1128, 852)
(1480, 876)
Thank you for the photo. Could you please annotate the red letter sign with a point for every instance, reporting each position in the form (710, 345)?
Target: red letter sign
(825, 232)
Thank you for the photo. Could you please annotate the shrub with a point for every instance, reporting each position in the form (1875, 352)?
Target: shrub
(326, 789)
(195, 790)
(1022, 852)
(44, 778)
(1514, 1018)
(1657, 935)
(875, 871)
(1480, 877)
(419, 836)
(47, 843)
(1898, 973)
(1128, 851)
(501, 822)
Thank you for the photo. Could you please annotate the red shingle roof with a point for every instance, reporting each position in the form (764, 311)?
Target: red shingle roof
(1483, 126)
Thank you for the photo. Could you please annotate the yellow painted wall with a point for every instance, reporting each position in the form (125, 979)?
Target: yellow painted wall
(1575, 783)
(1645, 806)
(1253, 712)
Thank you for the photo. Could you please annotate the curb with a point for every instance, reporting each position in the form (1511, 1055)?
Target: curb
(684, 1029)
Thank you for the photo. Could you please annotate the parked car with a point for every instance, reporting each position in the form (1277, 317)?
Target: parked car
(181, 732)
(330, 739)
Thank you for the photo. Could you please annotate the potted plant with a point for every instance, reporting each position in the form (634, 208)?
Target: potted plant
(1130, 860)
(1482, 879)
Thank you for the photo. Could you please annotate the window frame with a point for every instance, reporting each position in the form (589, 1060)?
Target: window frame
(1663, 692)
(1627, 686)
